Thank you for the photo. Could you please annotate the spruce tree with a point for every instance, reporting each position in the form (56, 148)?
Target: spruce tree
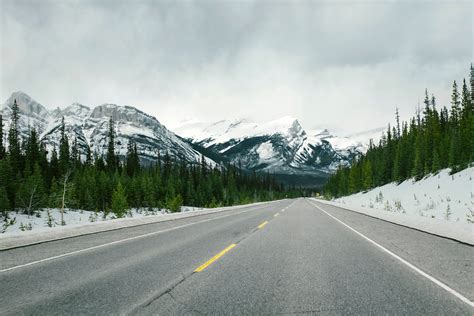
(64, 154)
(14, 148)
(4, 203)
(54, 170)
(367, 174)
(436, 162)
(472, 86)
(32, 150)
(455, 103)
(2, 148)
(31, 194)
(119, 204)
(111, 159)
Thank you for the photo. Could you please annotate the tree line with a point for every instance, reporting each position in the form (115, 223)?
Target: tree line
(32, 179)
(431, 140)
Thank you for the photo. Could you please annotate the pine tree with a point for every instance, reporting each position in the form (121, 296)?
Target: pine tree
(32, 150)
(418, 166)
(119, 203)
(31, 194)
(75, 155)
(2, 148)
(4, 203)
(436, 162)
(132, 159)
(455, 103)
(64, 154)
(472, 86)
(88, 161)
(8, 182)
(111, 158)
(14, 140)
(367, 174)
(397, 118)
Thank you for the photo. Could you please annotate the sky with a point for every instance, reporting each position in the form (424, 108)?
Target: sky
(342, 65)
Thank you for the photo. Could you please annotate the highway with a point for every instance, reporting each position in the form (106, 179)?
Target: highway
(286, 257)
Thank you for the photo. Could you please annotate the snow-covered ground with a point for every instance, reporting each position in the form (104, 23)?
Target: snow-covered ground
(50, 219)
(441, 196)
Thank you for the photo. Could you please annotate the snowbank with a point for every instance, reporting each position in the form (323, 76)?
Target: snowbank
(83, 222)
(441, 204)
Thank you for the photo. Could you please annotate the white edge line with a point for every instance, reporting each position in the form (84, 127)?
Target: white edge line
(426, 275)
(118, 241)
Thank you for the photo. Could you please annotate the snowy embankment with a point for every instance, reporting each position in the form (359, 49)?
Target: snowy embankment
(441, 204)
(48, 228)
(50, 219)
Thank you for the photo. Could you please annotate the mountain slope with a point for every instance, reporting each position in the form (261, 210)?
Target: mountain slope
(282, 147)
(89, 127)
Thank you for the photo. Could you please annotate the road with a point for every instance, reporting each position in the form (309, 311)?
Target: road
(287, 257)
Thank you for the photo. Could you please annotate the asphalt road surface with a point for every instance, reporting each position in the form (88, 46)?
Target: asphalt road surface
(287, 257)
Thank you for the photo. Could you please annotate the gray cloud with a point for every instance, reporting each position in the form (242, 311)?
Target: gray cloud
(345, 65)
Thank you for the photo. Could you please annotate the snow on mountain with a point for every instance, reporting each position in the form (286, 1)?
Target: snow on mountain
(32, 113)
(237, 129)
(279, 146)
(282, 146)
(89, 127)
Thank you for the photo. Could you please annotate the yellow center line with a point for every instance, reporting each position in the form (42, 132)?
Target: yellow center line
(210, 261)
(276, 214)
(262, 224)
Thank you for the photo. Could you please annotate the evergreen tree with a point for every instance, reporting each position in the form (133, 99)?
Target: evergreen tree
(119, 203)
(132, 159)
(472, 86)
(455, 103)
(31, 194)
(54, 169)
(368, 177)
(8, 181)
(2, 148)
(4, 203)
(64, 154)
(14, 148)
(111, 158)
(436, 162)
(32, 150)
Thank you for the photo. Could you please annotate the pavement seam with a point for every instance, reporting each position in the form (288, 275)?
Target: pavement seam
(405, 262)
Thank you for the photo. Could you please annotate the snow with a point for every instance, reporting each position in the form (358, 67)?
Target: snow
(423, 204)
(24, 224)
(225, 130)
(429, 197)
(265, 151)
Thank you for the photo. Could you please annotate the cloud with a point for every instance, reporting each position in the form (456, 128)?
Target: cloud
(332, 64)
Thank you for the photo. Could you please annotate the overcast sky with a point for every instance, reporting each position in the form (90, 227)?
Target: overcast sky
(345, 65)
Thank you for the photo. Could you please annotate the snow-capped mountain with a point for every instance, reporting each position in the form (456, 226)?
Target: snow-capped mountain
(280, 146)
(89, 127)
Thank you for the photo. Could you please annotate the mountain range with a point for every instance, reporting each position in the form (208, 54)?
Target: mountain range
(281, 147)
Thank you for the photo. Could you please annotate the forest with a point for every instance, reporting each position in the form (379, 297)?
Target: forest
(432, 140)
(32, 179)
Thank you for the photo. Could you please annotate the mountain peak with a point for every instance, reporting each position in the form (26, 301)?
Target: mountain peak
(26, 104)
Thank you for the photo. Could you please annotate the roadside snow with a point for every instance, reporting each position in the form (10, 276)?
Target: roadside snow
(441, 204)
(441, 196)
(50, 219)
